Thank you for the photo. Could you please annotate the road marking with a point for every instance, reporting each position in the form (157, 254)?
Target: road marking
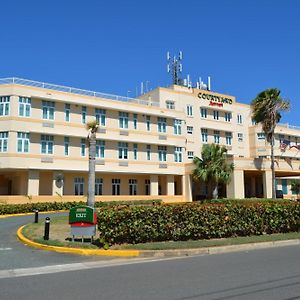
(5, 249)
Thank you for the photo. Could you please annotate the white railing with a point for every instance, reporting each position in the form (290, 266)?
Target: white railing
(287, 125)
(60, 88)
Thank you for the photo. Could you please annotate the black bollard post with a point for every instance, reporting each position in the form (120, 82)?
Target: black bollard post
(47, 229)
(36, 216)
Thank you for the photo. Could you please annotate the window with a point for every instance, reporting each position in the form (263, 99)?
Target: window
(190, 129)
(228, 137)
(98, 186)
(161, 124)
(177, 126)
(23, 142)
(100, 115)
(177, 154)
(204, 135)
(216, 115)
(253, 122)
(123, 150)
(227, 116)
(132, 186)
(66, 145)
(123, 119)
(190, 154)
(83, 114)
(261, 136)
(147, 186)
(240, 137)
(24, 107)
(135, 151)
(116, 183)
(100, 148)
(3, 141)
(216, 136)
(135, 121)
(239, 119)
(162, 153)
(189, 110)
(148, 152)
(82, 147)
(47, 144)
(203, 112)
(148, 123)
(78, 185)
(4, 105)
(170, 104)
(48, 110)
(67, 112)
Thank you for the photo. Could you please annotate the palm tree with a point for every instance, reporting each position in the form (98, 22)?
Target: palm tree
(212, 167)
(266, 108)
(295, 187)
(92, 129)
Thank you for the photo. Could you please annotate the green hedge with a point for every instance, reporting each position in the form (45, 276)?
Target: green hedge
(50, 206)
(196, 221)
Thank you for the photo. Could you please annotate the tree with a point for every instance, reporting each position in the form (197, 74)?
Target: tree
(212, 166)
(295, 187)
(92, 129)
(266, 108)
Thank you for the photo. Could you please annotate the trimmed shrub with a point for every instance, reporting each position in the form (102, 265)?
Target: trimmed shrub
(196, 221)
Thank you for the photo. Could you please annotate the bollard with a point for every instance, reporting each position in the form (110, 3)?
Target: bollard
(47, 229)
(36, 216)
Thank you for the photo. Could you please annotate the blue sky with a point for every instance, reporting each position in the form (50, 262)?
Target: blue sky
(112, 46)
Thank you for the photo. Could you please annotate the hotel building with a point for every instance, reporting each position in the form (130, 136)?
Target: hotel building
(145, 146)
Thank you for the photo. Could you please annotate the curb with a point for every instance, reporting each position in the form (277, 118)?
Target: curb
(31, 213)
(80, 251)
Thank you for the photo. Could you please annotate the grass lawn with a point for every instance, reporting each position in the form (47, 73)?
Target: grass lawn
(60, 236)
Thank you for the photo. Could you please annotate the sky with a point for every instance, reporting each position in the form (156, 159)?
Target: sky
(112, 46)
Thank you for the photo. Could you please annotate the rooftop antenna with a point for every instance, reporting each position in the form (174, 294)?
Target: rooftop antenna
(175, 67)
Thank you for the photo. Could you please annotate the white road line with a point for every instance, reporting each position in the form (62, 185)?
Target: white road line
(5, 249)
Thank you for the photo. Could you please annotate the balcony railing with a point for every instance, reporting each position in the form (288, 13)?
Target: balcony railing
(60, 88)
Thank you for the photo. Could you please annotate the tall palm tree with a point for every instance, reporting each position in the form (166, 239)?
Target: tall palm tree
(212, 166)
(92, 129)
(266, 108)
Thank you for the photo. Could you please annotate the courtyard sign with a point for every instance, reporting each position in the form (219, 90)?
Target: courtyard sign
(215, 100)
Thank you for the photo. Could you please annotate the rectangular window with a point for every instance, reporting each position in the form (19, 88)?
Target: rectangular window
(132, 186)
(204, 134)
(227, 116)
(216, 115)
(135, 151)
(24, 107)
(48, 108)
(3, 141)
(83, 115)
(240, 137)
(123, 150)
(162, 153)
(78, 186)
(47, 144)
(67, 112)
(135, 121)
(189, 110)
(216, 136)
(190, 129)
(190, 154)
(239, 119)
(161, 124)
(148, 152)
(170, 104)
(148, 123)
(82, 147)
(100, 115)
(116, 184)
(203, 112)
(147, 186)
(23, 142)
(228, 137)
(177, 126)
(66, 145)
(261, 136)
(99, 186)
(123, 120)
(177, 154)
(100, 149)
(4, 105)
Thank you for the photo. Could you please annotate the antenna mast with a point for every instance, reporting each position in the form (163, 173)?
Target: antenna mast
(175, 67)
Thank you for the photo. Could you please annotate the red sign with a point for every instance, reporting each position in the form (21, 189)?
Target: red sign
(211, 103)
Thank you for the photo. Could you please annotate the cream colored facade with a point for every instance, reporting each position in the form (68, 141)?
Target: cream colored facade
(145, 145)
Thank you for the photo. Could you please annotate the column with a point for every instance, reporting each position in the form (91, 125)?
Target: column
(33, 182)
(170, 185)
(267, 184)
(235, 188)
(57, 183)
(187, 187)
(154, 185)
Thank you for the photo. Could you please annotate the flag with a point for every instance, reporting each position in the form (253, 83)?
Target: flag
(284, 144)
(295, 146)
